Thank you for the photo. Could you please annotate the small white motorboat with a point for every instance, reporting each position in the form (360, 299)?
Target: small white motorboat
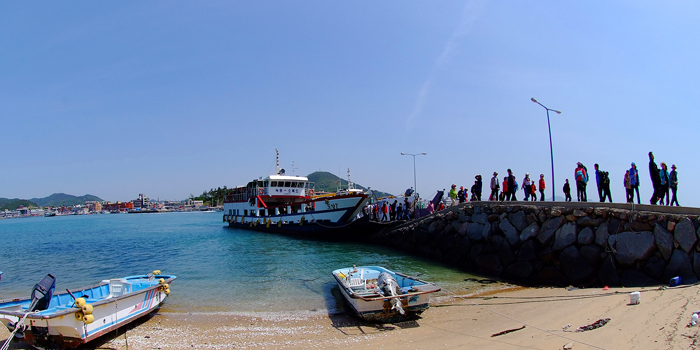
(51, 321)
(380, 295)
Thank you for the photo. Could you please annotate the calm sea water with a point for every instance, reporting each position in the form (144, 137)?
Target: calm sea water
(219, 269)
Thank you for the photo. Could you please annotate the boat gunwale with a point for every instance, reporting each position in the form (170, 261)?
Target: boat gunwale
(354, 295)
(74, 309)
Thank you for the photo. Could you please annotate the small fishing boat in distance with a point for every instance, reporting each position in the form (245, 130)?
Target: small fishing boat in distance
(377, 294)
(52, 321)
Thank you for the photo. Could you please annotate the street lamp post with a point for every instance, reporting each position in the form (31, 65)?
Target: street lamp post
(415, 188)
(551, 152)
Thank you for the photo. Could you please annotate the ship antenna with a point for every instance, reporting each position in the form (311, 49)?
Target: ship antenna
(277, 163)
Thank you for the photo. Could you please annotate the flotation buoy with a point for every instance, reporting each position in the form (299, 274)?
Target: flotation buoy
(161, 281)
(156, 272)
(87, 309)
(311, 192)
(268, 223)
(167, 291)
(88, 319)
(79, 316)
(261, 191)
(279, 223)
(80, 302)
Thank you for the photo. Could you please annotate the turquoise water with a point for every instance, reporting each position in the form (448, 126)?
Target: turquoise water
(219, 269)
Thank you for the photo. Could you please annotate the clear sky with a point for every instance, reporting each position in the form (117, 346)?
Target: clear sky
(171, 98)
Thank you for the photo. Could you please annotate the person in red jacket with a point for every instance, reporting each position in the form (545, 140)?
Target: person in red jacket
(541, 187)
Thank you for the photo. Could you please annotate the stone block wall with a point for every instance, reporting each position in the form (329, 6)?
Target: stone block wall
(582, 244)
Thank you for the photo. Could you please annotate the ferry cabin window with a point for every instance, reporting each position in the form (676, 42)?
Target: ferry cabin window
(245, 212)
(294, 184)
(273, 184)
(287, 184)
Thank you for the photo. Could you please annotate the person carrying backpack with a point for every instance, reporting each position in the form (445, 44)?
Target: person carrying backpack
(605, 185)
(581, 177)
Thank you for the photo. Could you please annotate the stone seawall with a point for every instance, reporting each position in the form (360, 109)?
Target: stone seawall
(558, 244)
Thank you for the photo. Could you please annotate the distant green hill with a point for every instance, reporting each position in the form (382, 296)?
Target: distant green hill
(12, 204)
(62, 199)
(325, 181)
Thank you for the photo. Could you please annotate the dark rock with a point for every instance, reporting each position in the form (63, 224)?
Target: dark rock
(464, 218)
(550, 276)
(614, 226)
(601, 235)
(487, 231)
(490, 265)
(531, 219)
(664, 241)
(496, 242)
(506, 254)
(565, 236)
(579, 213)
(587, 221)
(547, 255)
(493, 217)
(519, 271)
(509, 231)
(632, 278)
(465, 246)
(476, 251)
(685, 235)
(607, 274)
(576, 268)
(480, 218)
(530, 231)
(571, 218)
(632, 247)
(654, 267)
(456, 225)
(696, 263)
(640, 226)
(437, 226)
(586, 236)
(475, 231)
(528, 251)
(592, 254)
(679, 265)
(548, 228)
(518, 220)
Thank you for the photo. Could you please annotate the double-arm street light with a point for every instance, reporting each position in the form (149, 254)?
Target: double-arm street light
(415, 188)
(551, 153)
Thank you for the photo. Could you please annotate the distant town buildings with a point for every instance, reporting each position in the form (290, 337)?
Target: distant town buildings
(105, 207)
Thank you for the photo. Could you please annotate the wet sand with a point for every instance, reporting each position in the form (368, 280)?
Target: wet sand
(658, 322)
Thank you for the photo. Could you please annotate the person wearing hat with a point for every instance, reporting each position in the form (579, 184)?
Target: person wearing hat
(461, 196)
(453, 194)
(527, 186)
(494, 187)
(674, 184)
(634, 182)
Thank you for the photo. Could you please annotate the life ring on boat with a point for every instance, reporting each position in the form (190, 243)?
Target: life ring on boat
(261, 191)
(311, 192)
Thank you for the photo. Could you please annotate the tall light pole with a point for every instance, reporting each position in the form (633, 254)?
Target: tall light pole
(551, 152)
(415, 188)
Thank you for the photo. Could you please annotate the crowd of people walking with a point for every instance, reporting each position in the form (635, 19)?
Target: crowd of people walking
(663, 182)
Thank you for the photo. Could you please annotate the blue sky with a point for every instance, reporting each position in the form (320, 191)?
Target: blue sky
(170, 98)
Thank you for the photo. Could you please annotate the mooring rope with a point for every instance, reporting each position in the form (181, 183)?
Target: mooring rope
(6, 345)
(522, 322)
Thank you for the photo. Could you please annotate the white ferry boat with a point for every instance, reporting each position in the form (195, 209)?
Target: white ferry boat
(288, 204)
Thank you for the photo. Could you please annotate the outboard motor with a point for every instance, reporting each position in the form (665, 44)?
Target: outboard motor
(390, 287)
(42, 293)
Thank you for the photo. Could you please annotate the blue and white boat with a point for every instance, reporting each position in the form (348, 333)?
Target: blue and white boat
(50, 321)
(377, 294)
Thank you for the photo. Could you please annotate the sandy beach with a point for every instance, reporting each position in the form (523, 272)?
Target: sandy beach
(658, 322)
